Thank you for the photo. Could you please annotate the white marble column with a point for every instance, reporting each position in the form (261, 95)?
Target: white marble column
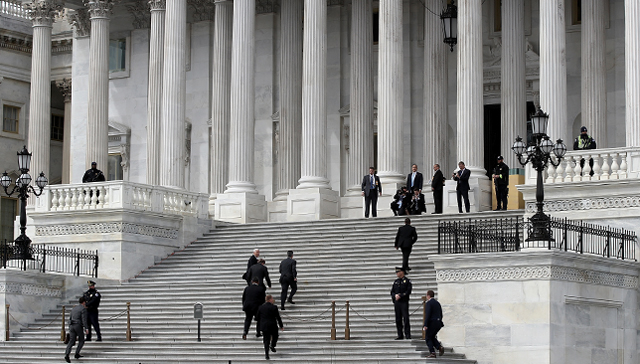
(154, 93)
(470, 113)
(98, 90)
(632, 72)
(390, 96)
(553, 68)
(65, 88)
(513, 113)
(435, 91)
(291, 12)
(172, 147)
(41, 13)
(361, 114)
(594, 97)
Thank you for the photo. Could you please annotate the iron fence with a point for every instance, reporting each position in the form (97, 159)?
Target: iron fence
(50, 259)
(500, 235)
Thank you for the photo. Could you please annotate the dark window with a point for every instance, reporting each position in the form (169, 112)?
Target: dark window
(376, 25)
(114, 169)
(57, 127)
(117, 55)
(10, 118)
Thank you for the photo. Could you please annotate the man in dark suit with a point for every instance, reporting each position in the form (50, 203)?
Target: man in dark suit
(371, 188)
(433, 324)
(260, 272)
(414, 179)
(417, 206)
(253, 259)
(462, 186)
(405, 238)
(78, 327)
(269, 319)
(252, 298)
(288, 277)
(437, 183)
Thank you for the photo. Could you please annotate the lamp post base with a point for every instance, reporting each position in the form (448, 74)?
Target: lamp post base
(23, 248)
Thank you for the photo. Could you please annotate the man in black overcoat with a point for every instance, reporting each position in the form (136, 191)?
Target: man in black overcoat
(253, 259)
(252, 298)
(269, 320)
(405, 238)
(288, 278)
(260, 272)
(433, 324)
(437, 184)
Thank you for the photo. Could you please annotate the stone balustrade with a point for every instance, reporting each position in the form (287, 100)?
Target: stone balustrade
(608, 164)
(13, 8)
(122, 195)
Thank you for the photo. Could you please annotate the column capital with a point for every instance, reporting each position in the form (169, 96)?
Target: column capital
(64, 86)
(203, 9)
(42, 12)
(141, 15)
(158, 5)
(80, 22)
(99, 9)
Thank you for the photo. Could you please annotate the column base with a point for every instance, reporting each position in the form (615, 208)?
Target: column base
(241, 208)
(311, 204)
(479, 196)
(277, 209)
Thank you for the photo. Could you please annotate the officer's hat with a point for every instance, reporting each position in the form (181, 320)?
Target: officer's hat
(398, 269)
(94, 163)
(500, 157)
(583, 129)
(91, 283)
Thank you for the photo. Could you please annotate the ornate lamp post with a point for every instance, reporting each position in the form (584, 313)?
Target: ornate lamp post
(538, 152)
(22, 188)
(449, 17)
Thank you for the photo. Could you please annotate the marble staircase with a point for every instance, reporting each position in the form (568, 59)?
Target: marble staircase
(338, 260)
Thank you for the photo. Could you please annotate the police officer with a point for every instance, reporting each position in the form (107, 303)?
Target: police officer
(582, 142)
(400, 296)
(92, 297)
(93, 174)
(501, 182)
(77, 329)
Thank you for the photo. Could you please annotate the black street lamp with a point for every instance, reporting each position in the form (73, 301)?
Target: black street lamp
(449, 17)
(538, 152)
(22, 187)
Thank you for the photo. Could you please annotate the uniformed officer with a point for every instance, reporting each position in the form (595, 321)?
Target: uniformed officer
(93, 174)
(501, 183)
(77, 329)
(92, 296)
(400, 296)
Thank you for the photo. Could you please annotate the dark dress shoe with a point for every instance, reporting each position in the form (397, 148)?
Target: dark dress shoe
(399, 338)
(99, 339)
(282, 308)
(441, 350)
(408, 337)
(66, 358)
(291, 302)
(266, 356)
(258, 335)
(272, 348)
(78, 356)
(244, 336)
(432, 355)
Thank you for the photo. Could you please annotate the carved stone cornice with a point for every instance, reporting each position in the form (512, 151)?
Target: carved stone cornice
(99, 9)
(15, 43)
(266, 6)
(61, 45)
(80, 22)
(64, 86)
(141, 14)
(203, 9)
(42, 12)
(157, 5)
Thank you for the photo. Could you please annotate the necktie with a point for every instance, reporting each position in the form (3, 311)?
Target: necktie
(372, 182)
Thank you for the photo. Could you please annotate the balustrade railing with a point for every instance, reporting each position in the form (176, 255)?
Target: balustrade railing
(122, 195)
(13, 8)
(50, 259)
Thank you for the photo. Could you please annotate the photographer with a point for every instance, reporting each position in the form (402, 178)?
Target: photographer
(417, 203)
(401, 202)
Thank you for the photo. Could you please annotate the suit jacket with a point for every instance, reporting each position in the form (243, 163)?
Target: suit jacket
(432, 311)
(406, 236)
(417, 204)
(437, 180)
(288, 269)
(365, 184)
(417, 183)
(268, 317)
(252, 260)
(78, 317)
(260, 271)
(253, 297)
(462, 180)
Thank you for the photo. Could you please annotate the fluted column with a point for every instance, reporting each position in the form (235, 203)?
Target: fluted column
(632, 73)
(242, 98)
(154, 93)
(513, 113)
(435, 90)
(65, 88)
(594, 97)
(41, 13)
(314, 99)
(98, 90)
(553, 67)
(390, 93)
(174, 95)
(291, 12)
(361, 115)
(220, 101)
(470, 105)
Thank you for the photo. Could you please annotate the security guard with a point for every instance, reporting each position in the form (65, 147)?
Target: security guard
(501, 183)
(400, 296)
(582, 142)
(92, 297)
(93, 174)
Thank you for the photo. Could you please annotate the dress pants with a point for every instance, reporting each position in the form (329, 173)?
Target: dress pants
(285, 283)
(402, 314)
(249, 315)
(501, 197)
(75, 331)
(432, 330)
(92, 318)
(405, 257)
(269, 338)
(371, 199)
(437, 200)
(463, 195)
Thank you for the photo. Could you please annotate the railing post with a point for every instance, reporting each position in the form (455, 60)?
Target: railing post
(6, 323)
(333, 320)
(128, 321)
(77, 263)
(347, 330)
(565, 238)
(424, 315)
(609, 242)
(63, 332)
(439, 233)
(44, 258)
(581, 236)
(95, 268)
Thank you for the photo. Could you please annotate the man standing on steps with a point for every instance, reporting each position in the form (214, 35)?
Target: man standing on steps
(400, 296)
(260, 272)
(405, 238)
(252, 298)
(78, 327)
(433, 324)
(371, 187)
(253, 259)
(92, 298)
(269, 319)
(288, 277)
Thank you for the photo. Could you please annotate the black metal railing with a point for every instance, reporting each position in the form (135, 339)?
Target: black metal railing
(499, 235)
(50, 259)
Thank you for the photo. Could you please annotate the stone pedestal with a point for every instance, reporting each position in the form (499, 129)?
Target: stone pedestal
(241, 207)
(479, 196)
(310, 204)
